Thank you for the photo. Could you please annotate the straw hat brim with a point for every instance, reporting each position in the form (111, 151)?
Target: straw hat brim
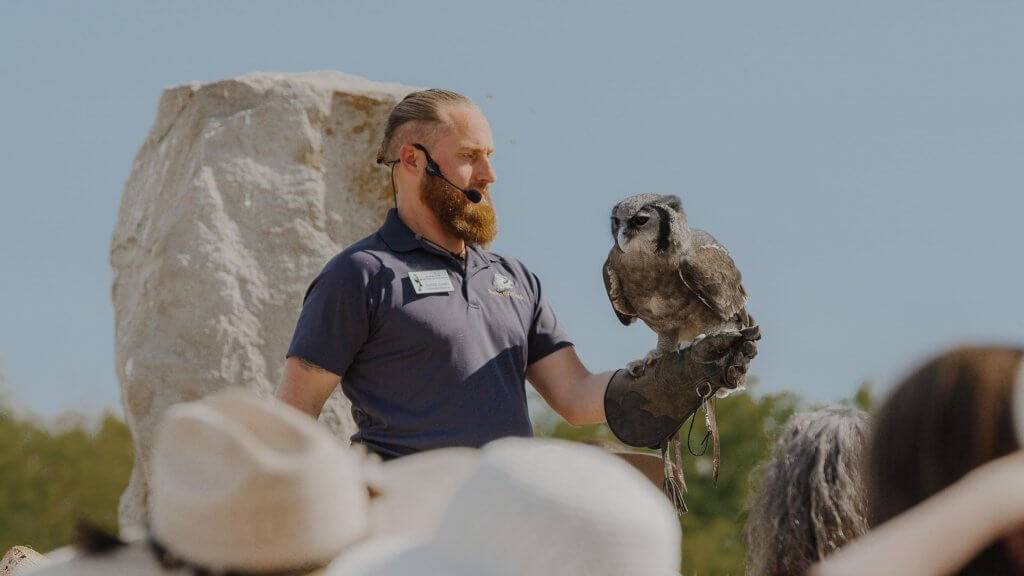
(411, 493)
(136, 559)
(407, 557)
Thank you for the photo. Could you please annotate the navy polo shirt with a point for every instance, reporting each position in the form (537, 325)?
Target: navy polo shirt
(425, 370)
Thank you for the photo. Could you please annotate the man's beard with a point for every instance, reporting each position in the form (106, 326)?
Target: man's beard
(471, 223)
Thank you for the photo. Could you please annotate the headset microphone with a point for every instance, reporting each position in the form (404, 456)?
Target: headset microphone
(472, 194)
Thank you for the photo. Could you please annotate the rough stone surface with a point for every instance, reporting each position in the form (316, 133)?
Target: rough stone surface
(241, 192)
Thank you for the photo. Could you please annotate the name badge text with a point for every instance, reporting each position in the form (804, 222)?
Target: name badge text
(431, 282)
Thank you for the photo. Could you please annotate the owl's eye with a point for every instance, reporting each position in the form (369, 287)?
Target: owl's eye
(639, 220)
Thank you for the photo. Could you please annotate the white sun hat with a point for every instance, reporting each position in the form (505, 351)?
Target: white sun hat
(253, 485)
(542, 508)
(411, 493)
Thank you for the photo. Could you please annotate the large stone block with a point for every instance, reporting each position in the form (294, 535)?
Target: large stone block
(241, 192)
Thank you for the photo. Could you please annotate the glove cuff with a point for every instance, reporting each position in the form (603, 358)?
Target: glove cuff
(626, 403)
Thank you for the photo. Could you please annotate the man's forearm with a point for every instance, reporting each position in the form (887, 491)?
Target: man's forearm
(588, 405)
(569, 388)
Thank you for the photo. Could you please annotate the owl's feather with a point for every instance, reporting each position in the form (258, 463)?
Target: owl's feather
(622, 308)
(710, 273)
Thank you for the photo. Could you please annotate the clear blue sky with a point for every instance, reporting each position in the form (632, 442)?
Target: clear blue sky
(863, 161)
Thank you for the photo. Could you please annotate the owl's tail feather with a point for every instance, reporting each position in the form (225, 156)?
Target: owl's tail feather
(674, 484)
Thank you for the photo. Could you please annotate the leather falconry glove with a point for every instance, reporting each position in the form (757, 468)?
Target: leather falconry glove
(647, 410)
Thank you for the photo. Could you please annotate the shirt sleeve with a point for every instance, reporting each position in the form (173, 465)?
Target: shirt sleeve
(546, 334)
(336, 314)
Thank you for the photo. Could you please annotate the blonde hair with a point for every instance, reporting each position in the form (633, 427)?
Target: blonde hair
(419, 114)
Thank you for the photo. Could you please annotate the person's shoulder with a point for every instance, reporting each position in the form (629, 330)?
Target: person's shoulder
(361, 257)
(513, 266)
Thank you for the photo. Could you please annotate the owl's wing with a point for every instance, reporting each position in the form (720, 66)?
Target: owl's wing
(710, 273)
(623, 309)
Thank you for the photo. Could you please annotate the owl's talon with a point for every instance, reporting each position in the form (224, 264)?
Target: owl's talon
(636, 368)
(684, 344)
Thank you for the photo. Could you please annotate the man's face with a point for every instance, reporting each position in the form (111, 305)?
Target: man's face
(463, 154)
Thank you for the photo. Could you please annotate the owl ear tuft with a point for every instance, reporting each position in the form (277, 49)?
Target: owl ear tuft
(673, 202)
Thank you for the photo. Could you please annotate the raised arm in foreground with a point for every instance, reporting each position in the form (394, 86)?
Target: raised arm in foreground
(943, 533)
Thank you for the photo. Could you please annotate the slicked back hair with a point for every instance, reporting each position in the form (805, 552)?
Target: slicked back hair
(419, 114)
(810, 499)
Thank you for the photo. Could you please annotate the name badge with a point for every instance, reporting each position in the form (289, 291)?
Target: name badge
(431, 282)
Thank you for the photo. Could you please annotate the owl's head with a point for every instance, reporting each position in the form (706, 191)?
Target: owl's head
(650, 223)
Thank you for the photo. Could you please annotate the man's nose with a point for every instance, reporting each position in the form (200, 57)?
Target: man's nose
(485, 171)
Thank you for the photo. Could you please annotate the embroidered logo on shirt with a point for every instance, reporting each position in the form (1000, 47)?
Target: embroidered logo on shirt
(502, 286)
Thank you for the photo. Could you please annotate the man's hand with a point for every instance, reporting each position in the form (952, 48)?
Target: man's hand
(306, 386)
(646, 409)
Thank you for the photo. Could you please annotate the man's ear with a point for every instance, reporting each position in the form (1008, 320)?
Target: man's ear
(407, 157)
(673, 202)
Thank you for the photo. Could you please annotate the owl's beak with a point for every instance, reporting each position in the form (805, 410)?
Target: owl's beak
(620, 240)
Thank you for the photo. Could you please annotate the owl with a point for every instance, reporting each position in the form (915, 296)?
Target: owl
(680, 281)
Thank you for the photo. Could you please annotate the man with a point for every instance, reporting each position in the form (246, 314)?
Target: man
(432, 336)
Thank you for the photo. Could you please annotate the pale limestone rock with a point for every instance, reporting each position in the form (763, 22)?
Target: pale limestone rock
(241, 192)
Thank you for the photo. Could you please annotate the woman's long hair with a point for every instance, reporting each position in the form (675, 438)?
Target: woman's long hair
(809, 499)
(950, 416)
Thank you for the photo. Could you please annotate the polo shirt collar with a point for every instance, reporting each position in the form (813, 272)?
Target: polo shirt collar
(398, 236)
(478, 258)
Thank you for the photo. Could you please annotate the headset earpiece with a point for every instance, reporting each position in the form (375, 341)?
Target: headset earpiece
(432, 168)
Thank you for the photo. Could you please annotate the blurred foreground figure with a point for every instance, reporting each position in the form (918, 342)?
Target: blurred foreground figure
(542, 508)
(945, 472)
(240, 485)
(810, 499)
(408, 495)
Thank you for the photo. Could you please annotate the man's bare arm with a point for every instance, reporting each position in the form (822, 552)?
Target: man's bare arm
(306, 386)
(572, 390)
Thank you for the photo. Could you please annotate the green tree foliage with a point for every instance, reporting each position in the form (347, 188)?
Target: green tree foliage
(713, 542)
(50, 478)
(864, 398)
